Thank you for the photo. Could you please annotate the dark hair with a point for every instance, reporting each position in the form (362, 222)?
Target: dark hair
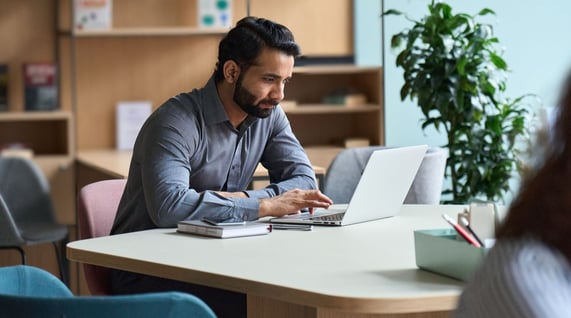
(245, 41)
(542, 207)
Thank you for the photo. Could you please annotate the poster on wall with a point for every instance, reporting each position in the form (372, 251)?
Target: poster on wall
(214, 13)
(92, 14)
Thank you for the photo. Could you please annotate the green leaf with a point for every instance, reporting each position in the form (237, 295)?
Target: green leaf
(498, 61)
(486, 11)
(392, 12)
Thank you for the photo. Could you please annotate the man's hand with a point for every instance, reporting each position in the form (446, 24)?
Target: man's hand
(292, 202)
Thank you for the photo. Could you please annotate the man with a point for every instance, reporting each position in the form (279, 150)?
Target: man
(195, 155)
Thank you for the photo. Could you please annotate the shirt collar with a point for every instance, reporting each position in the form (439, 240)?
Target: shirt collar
(213, 108)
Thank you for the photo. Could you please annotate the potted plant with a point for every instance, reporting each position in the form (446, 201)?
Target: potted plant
(457, 76)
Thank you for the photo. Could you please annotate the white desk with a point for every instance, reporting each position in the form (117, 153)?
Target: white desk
(366, 268)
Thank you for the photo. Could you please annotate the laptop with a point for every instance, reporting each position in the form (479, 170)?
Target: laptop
(380, 193)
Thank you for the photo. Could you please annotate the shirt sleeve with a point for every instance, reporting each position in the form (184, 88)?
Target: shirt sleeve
(166, 171)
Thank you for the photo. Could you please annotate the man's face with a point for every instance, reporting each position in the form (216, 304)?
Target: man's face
(261, 87)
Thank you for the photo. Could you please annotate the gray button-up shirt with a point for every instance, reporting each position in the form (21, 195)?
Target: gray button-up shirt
(188, 149)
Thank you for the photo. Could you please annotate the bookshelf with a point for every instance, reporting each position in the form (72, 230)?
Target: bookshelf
(28, 34)
(152, 54)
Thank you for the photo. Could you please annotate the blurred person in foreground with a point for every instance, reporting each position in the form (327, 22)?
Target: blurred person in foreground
(527, 273)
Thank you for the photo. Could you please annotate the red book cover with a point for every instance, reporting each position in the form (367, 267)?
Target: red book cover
(40, 86)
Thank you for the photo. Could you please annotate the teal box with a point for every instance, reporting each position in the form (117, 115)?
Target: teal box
(441, 251)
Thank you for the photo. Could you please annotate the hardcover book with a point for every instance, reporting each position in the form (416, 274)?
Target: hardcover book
(223, 231)
(40, 86)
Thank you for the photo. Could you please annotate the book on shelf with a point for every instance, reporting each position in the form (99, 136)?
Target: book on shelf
(40, 86)
(92, 14)
(3, 87)
(223, 231)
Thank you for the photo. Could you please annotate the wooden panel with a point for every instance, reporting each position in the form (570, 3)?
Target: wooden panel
(149, 13)
(59, 171)
(333, 128)
(27, 34)
(65, 73)
(321, 27)
(110, 70)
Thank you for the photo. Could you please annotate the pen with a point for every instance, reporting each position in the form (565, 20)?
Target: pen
(469, 228)
(461, 231)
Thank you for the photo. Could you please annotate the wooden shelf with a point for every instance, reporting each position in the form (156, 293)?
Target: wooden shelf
(35, 116)
(330, 109)
(153, 31)
(335, 69)
(46, 133)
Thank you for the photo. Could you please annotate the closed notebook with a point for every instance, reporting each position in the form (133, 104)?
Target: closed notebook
(223, 231)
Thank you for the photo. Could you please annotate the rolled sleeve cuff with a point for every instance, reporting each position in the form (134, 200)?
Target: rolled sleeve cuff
(249, 208)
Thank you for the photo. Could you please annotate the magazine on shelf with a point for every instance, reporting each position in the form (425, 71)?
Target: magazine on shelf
(223, 231)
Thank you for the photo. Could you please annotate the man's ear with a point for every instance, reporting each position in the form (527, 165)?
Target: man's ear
(231, 71)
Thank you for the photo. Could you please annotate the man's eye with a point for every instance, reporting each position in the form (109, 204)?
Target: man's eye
(268, 79)
(286, 80)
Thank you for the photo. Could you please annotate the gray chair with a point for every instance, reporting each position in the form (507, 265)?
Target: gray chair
(345, 171)
(27, 216)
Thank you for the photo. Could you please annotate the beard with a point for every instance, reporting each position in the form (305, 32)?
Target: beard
(246, 100)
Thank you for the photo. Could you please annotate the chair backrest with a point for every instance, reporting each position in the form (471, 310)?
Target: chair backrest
(27, 291)
(97, 206)
(345, 171)
(26, 197)
(23, 280)
(427, 185)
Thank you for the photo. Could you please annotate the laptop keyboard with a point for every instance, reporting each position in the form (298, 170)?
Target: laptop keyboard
(330, 217)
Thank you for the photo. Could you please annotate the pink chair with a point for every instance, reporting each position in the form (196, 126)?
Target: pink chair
(97, 207)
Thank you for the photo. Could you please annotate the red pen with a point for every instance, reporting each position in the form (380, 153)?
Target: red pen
(461, 231)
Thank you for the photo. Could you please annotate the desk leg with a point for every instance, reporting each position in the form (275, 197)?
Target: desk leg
(260, 307)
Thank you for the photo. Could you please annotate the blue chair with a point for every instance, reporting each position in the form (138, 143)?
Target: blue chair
(27, 291)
